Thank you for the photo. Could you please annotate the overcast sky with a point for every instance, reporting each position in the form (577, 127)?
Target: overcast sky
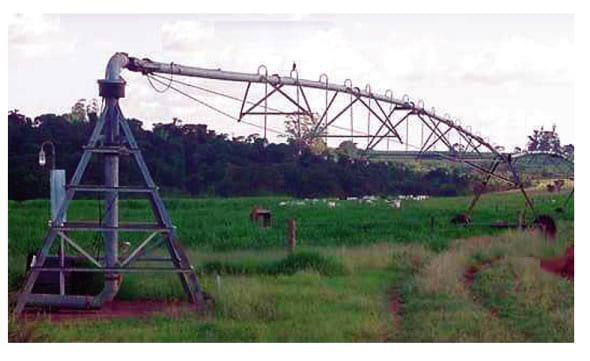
(501, 74)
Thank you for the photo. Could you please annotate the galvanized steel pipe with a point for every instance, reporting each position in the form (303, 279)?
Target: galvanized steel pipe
(147, 66)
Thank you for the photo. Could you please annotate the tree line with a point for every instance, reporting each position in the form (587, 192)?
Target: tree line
(192, 160)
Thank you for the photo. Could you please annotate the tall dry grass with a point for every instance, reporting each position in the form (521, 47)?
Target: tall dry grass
(445, 272)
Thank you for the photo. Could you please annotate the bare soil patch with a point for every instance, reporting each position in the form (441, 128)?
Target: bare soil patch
(562, 266)
(394, 303)
(116, 309)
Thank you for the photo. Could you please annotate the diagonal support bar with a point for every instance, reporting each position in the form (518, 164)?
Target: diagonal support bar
(139, 248)
(80, 249)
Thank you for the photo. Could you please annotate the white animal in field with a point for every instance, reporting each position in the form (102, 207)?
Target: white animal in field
(282, 204)
(331, 204)
(397, 203)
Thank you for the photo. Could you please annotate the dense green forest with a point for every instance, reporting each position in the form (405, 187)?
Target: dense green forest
(191, 160)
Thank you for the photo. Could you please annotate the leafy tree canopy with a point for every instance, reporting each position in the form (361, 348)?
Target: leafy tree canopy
(192, 160)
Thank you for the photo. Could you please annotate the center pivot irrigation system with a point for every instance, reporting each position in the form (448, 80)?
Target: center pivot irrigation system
(387, 119)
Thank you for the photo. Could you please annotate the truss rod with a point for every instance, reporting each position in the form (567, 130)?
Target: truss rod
(273, 110)
(149, 67)
(218, 110)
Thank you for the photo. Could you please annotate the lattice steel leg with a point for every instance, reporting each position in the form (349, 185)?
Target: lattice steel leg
(484, 185)
(34, 274)
(189, 281)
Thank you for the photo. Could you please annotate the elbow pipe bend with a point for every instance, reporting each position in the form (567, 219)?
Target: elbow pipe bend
(115, 66)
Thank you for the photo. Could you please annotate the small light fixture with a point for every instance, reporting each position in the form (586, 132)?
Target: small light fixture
(43, 155)
(42, 158)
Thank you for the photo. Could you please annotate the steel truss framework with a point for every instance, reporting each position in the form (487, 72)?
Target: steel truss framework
(391, 116)
(105, 140)
(547, 158)
(562, 164)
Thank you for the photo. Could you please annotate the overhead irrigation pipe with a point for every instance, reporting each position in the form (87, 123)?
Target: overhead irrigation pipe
(147, 66)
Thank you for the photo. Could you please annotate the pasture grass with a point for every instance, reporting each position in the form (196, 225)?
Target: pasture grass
(305, 306)
(511, 298)
(531, 301)
(293, 263)
(339, 284)
(223, 224)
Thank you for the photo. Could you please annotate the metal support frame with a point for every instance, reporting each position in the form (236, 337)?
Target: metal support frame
(107, 128)
(479, 192)
(440, 128)
(112, 127)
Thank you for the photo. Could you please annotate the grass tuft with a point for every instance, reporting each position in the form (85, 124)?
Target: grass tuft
(361, 273)
(292, 264)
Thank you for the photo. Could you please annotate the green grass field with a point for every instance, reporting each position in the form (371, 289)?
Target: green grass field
(352, 263)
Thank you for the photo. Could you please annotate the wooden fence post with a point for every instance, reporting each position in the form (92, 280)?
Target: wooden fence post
(291, 235)
(431, 225)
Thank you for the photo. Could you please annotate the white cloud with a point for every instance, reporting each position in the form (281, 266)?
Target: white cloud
(421, 66)
(492, 79)
(514, 62)
(331, 50)
(519, 60)
(411, 61)
(314, 50)
(185, 35)
(38, 36)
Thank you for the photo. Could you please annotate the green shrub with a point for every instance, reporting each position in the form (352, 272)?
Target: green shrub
(289, 265)
(306, 260)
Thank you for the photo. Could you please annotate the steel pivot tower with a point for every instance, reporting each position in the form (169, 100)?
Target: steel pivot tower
(111, 137)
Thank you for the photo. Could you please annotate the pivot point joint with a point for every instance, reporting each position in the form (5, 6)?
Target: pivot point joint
(111, 88)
